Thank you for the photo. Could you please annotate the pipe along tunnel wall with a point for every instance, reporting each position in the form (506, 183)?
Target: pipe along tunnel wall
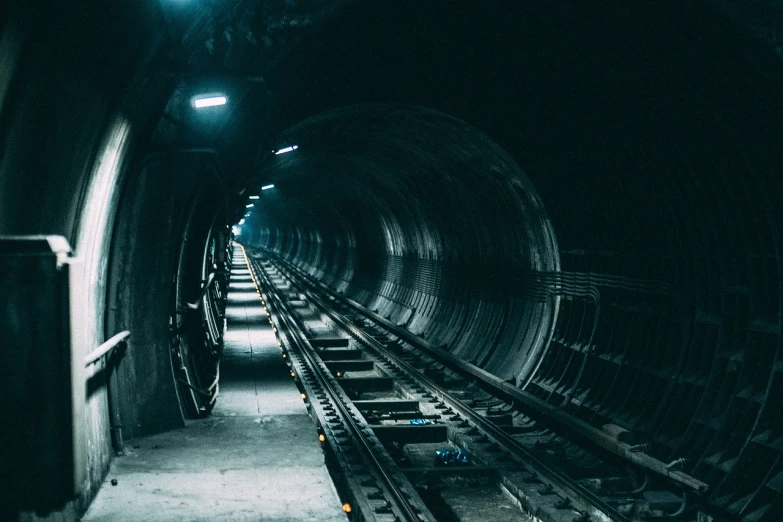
(608, 239)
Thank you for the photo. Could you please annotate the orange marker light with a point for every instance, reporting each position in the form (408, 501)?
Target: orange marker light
(293, 374)
(304, 396)
(284, 356)
(338, 374)
(322, 437)
(347, 507)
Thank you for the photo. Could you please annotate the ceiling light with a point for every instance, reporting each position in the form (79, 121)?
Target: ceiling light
(267, 187)
(209, 101)
(242, 221)
(286, 149)
(249, 205)
(254, 197)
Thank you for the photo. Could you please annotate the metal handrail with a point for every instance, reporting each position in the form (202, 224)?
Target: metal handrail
(299, 339)
(197, 304)
(105, 348)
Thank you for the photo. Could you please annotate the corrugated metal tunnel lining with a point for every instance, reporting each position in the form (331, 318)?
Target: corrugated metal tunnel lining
(422, 218)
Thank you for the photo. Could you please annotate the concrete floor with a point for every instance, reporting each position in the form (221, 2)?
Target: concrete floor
(256, 458)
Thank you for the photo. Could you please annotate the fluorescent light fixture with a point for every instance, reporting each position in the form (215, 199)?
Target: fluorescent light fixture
(267, 187)
(250, 205)
(254, 197)
(242, 221)
(209, 101)
(287, 149)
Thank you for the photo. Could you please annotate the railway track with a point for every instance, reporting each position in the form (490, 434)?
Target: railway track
(412, 435)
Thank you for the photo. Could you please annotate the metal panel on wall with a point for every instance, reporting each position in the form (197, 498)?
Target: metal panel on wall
(41, 385)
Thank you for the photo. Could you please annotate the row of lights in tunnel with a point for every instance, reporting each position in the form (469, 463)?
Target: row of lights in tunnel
(216, 100)
(265, 187)
(237, 231)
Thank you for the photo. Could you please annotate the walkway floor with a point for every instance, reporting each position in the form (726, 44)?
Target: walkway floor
(256, 458)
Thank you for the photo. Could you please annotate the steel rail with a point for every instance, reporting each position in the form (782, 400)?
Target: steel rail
(300, 339)
(576, 426)
(593, 504)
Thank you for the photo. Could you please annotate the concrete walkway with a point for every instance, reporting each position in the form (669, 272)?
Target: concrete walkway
(256, 458)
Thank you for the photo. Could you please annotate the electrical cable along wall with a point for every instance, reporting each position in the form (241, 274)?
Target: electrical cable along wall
(198, 312)
(162, 290)
(687, 350)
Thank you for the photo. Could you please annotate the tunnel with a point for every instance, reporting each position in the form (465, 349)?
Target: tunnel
(579, 200)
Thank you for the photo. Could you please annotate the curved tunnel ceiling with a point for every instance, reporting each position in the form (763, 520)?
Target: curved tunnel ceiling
(406, 167)
(650, 136)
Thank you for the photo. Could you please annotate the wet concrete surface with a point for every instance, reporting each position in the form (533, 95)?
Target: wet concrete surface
(256, 458)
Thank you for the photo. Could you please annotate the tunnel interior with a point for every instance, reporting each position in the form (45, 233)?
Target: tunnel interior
(581, 199)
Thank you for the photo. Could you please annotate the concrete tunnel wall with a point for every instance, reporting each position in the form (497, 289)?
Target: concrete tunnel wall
(648, 136)
(76, 160)
(57, 108)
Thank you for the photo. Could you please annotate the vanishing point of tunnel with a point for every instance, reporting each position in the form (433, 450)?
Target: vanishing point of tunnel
(391, 260)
